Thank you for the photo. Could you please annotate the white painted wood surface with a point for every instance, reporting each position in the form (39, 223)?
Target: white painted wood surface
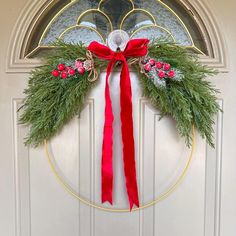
(33, 203)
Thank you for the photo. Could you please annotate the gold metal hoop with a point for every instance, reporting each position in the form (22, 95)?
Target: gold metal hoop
(91, 204)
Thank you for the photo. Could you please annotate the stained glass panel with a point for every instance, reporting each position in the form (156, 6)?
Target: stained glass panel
(93, 19)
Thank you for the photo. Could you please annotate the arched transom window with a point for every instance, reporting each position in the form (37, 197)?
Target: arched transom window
(84, 21)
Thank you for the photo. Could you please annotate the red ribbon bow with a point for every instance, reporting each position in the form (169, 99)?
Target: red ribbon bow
(134, 48)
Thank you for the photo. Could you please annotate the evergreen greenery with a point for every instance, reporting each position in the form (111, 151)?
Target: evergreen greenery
(191, 101)
(51, 102)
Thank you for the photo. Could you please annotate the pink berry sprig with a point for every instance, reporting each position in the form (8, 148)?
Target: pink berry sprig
(67, 71)
(79, 65)
(163, 69)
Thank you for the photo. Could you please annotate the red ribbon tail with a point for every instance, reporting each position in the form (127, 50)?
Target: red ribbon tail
(107, 166)
(127, 136)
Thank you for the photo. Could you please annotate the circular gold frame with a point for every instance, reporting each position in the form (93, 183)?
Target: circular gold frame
(164, 195)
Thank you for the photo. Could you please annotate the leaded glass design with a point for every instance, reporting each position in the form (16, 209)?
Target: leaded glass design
(85, 21)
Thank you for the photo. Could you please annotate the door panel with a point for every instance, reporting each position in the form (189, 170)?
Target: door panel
(47, 208)
(32, 201)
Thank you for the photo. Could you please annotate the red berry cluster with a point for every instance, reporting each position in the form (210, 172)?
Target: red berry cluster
(65, 71)
(163, 69)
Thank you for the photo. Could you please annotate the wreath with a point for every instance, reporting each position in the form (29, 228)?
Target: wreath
(171, 77)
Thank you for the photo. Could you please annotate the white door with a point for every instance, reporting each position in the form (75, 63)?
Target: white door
(32, 200)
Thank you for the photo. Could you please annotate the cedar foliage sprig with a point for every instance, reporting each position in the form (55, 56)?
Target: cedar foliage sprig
(52, 102)
(191, 101)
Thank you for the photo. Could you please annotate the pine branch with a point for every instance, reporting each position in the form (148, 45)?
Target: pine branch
(191, 101)
(52, 102)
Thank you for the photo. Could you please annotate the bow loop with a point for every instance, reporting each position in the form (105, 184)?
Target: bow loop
(136, 48)
(100, 50)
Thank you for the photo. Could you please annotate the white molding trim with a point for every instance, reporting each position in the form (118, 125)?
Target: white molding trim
(209, 25)
(21, 175)
(213, 176)
(20, 35)
(34, 9)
